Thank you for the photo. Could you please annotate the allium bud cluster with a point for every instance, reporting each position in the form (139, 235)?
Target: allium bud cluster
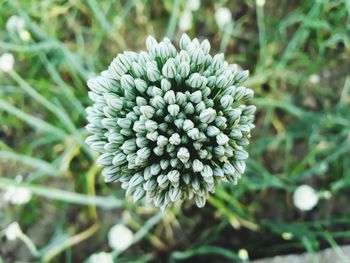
(170, 125)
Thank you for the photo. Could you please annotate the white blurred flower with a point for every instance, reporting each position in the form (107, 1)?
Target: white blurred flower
(243, 254)
(17, 195)
(314, 78)
(305, 198)
(15, 24)
(223, 17)
(24, 35)
(185, 22)
(13, 231)
(6, 62)
(120, 237)
(287, 236)
(260, 2)
(193, 5)
(102, 257)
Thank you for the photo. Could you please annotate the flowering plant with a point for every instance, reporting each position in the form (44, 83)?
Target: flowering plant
(170, 125)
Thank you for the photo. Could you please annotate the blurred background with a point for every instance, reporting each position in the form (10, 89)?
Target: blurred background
(294, 196)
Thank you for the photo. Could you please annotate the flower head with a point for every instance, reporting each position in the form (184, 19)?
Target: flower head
(101, 257)
(170, 125)
(13, 231)
(223, 17)
(120, 237)
(305, 198)
(6, 62)
(17, 195)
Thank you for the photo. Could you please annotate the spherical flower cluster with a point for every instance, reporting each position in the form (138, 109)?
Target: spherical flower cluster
(170, 125)
(305, 197)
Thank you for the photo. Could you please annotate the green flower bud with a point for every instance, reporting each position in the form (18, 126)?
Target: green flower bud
(212, 131)
(188, 125)
(189, 109)
(197, 166)
(222, 139)
(151, 43)
(169, 69)
(169, 97)
(229, 169)
(141, 85)
(241, 155)
(218, 172)
(242, 76)
(143, 153)
(198, 57)
(240, 166)
(147, 111)
(184, 69)
(236, 134)
(200, 201)
(153, 74)
(141, 142)
(240, 92)
(119, 159)
(218, 61)
(113, 100)
(195, 80)
(173, 176)
(127, 82)
(151, 125)
(175, 139)
(124, 123)
(152, 136)
(174, 194)
(248, 95)
(226, 101)
(184, 41)
(138, 70)
(196, 97)
(183, 57)
(173, 109)
(193, 134)
(207, 116)
(162, 141)
(205, 45)
(105, 159)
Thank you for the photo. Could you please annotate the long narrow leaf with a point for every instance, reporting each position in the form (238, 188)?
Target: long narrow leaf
(36, 123)
(108, 202)
(30, 161)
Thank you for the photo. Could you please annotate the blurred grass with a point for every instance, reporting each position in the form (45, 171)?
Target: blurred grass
(302, 134)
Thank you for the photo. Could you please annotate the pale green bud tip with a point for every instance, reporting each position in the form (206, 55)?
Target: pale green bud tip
(170, 124)
(169, 69)
(208, 115)
(183, 154)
